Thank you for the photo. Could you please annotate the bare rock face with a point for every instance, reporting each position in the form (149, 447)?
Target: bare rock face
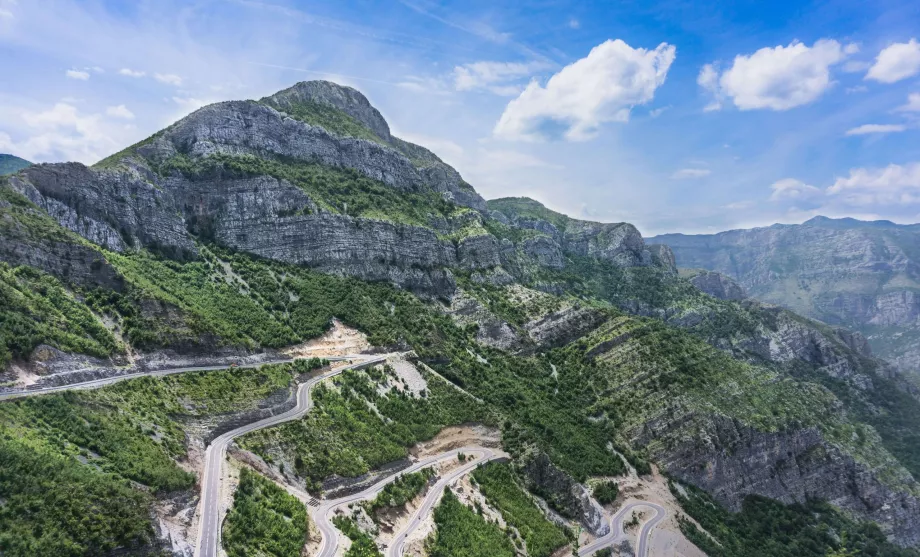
(563, 326)
(346, 99)
(718, 285)
(731, 461)
(563, 493)
(113, 209)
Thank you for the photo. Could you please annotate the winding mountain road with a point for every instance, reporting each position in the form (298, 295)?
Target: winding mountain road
(322, 515)
(209, 525)
(96, 383)
(616, 530)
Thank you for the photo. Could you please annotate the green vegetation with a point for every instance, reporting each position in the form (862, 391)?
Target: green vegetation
(65, 459)
(81, 425)
(35, 308)
(461, 532)
(325, 116)
(52, 505)
(606, 492)
(264, 520)
(362, 545)
(340, 190)
(404, 488)
(344, 435)
(10, 164)
(501, 490)
(767, 528)
(528, 208)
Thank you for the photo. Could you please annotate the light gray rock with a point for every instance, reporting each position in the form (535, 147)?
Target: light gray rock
(731, 461)
(718, 285)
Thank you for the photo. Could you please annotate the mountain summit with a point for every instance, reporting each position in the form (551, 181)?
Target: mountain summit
(252, 231)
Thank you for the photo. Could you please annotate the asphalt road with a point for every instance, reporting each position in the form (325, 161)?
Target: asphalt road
(616, 530)
(322, 516)
(96, 383)
(482, 455)
(209, 525)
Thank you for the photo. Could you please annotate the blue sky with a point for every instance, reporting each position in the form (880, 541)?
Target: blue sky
(675, 116)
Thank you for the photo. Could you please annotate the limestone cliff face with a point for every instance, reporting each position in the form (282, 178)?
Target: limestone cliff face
(862, 275)
(731, 461)
(127, 204)
(717, 285)
(618, 243)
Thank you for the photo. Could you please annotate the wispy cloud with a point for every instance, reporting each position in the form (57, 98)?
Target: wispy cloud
(120, 111)
(77, 74)
(876, 129)
(168, 78)
(131, 73)
(497, 77)
(690, 173)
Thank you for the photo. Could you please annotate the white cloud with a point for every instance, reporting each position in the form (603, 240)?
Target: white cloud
(857, 89)
(131, 73)
(77, 74)
(896, 62)
(741, 205)
(913, 103)
(792, 189)
(574, 23)
(494, 76)
(190, 103)
(63, 133)
(120, 111)
(169, 79)
(601, 87)
(690, 173)
(855, 66)
(656, 112)
(892, 185)
(876, 128)
(709, 80)
(777, 78)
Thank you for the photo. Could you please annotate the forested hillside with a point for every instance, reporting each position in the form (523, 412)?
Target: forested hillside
(250, 227)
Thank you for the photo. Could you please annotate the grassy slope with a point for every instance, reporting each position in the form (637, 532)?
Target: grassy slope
(344, 435)
(66, 459)
(264, 520)
(463, 532)
(766, 528)
(498, 485)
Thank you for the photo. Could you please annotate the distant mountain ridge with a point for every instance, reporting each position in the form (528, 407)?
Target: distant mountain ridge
(11, 163)
(860, 274)
(247, 226)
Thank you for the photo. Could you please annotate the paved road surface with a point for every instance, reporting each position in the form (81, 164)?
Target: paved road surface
(96, 383)
(616, 530)
(209, 525)
(322, 516)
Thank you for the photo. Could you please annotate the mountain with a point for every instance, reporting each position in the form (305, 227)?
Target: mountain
(249, 228)
(10, 164)
(845, 272)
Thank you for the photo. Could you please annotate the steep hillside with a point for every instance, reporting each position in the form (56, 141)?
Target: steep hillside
(10, 164)
(856, 274)
(249, 226)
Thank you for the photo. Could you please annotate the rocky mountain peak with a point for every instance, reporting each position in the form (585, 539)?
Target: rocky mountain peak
(341, 97)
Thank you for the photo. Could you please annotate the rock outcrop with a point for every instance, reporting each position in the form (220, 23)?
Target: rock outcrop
(563, 494)
(717, 285)
(731, 461)
(845, 272)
